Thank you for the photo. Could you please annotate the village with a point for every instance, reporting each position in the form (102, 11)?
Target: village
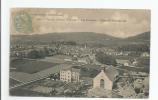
(72, 70)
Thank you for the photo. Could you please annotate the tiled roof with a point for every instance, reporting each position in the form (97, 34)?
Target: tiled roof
(111, 72)
(75, 70)
(72, 69)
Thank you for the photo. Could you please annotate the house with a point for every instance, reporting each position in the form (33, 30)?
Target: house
(103, 83)
(84, 60)
(123, 62)
(145, 54)
(70, 75)
(105, 78)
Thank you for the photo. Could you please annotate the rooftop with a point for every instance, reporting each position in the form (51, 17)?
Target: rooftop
(110, 71)
(71, 69)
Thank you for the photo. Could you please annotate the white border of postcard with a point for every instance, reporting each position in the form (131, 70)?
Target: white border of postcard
(111, 4)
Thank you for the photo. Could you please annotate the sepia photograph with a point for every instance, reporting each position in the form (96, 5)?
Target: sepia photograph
(81, 53)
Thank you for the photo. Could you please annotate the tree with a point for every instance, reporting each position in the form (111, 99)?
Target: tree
(127, 91)
(146, 85)
(105, 59)
(46, 51)
(34, 54)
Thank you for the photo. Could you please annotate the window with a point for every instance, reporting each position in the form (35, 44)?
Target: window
(102, 83)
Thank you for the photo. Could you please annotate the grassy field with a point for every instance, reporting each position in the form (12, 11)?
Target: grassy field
(30, 66)
(56, 59)
(24, 92)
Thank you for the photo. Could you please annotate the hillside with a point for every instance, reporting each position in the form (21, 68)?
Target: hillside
(80, 38)
(141, 37)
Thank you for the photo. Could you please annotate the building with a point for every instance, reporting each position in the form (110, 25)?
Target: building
(145, 54)
(123, 62)
(105, 78)
(70, 75)
(85, 60)
(29, 76)
(103, 83)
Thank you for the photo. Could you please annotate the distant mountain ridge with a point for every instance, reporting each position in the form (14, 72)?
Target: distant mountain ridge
(80, 37)
(143, 36)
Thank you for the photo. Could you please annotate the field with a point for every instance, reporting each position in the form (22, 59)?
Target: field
(30, 66)
(56, 59)
(24, 92)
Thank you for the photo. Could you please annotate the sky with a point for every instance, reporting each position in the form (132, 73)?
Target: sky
(113, 22)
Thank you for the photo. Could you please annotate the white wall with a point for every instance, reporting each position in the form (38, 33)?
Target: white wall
(107, 83)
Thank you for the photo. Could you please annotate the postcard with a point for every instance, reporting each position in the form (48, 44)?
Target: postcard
(74, 52)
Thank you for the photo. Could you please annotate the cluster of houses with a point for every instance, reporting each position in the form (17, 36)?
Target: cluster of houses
(102, 83)
(103, 79)
(126, 62)
(81, 53)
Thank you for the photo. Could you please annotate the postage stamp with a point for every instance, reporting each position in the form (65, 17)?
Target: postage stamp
(23, 22)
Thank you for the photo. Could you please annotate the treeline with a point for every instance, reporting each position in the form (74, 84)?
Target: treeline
(38, 42)
(144, 63)
(64, 42)
(134, 47)
(35, 54)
